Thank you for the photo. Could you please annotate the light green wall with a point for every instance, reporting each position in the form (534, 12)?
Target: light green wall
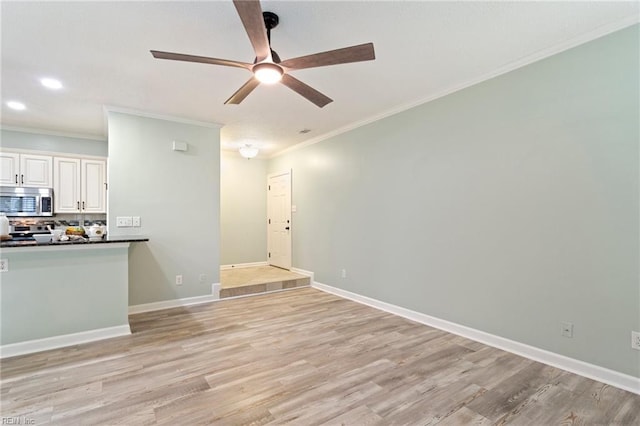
(48, 293)
(243, 209)
(177, 196)
(509, 206)
(51, 143)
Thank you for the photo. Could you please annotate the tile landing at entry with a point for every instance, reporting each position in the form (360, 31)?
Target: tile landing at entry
(258, 279)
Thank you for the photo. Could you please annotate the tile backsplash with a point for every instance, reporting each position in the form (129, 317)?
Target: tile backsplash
(81, 218)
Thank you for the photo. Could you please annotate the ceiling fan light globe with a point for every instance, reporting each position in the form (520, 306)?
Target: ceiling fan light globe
(248, 151)
(267, 73)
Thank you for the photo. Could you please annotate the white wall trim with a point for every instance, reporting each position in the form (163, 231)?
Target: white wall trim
(39, 345)
(53, 133)
(54, 154)
(181, 120)
(601, 374)
(176, 303)
(243, 265)
(527, 60)
(303, 272)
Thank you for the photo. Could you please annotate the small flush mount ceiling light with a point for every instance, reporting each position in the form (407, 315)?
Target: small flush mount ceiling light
(248, 151)
(51, 83)
(267, 72)
(18, 106)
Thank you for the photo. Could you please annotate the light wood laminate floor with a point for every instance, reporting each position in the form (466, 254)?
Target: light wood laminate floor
(300, 357)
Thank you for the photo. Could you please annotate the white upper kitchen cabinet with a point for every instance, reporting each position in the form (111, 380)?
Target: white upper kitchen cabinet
(93, 184)
(9, 168)
(79, 185)
(28, 170)
(66, 185)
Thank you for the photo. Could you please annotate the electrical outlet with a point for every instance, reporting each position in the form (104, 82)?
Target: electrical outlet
(202, 278)
(178, 279)
(344, 273)
(635, 340)
(566, 329)
(4, 265)
(135, 221)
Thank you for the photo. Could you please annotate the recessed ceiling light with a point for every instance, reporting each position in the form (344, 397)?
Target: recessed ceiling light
(51, 83)
(18, 106)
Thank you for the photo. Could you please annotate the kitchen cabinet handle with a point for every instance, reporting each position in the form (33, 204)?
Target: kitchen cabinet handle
(16, 179)
(78, 205)
(83, 205)
(21, 179)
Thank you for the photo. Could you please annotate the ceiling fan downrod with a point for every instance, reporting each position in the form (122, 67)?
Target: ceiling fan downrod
(271, 21)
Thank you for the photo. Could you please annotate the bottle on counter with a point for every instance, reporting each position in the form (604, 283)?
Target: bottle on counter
(4, 227)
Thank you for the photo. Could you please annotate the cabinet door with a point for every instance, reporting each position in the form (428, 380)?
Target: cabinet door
(94, 193)
(66, 185)
(9, 168)
(35, 170)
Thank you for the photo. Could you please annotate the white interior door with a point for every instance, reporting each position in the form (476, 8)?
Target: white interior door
(279, 219)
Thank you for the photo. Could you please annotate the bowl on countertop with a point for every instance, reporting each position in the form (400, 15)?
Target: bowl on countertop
(42, 238)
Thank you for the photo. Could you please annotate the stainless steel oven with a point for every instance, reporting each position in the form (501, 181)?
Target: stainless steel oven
(26, 202)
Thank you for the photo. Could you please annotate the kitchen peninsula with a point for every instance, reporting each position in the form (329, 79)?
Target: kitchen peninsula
(61, 294)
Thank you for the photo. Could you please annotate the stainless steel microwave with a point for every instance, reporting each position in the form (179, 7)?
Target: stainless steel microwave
(21, 201)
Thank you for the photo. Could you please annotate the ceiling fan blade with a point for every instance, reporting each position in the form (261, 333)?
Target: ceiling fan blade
(251, 16)
(305, 90)
(361, 52)
(243, 91)
(200, 59)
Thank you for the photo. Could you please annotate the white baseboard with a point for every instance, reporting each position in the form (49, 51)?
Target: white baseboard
(601, 374)
(176, 303)
(303, 272)
(243, 265)
(39, 345)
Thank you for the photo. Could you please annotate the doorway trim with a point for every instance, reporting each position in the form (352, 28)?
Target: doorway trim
(279, 220)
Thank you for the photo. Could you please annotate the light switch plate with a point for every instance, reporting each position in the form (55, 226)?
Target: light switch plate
(136, 221)
(4, 265)
(124, 221)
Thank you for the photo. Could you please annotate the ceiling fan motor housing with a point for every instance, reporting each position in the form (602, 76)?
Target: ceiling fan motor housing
(270, 20)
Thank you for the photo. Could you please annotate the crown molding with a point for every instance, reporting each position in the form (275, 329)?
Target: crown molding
(181, 120)
(52, 133)
(511, 66)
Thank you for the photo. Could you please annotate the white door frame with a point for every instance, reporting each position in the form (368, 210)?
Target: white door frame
(279, 229)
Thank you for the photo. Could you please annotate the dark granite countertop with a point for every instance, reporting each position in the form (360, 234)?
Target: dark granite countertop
(107, 240)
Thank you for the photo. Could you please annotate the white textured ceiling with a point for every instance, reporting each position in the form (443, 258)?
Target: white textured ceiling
(100, 51)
